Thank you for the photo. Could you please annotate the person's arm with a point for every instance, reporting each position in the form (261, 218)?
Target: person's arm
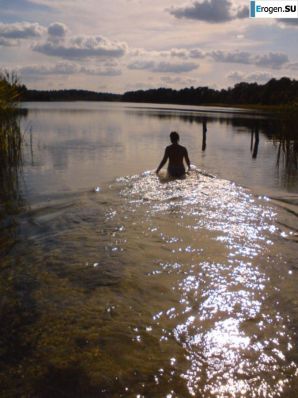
(163, 162)
(187, 159)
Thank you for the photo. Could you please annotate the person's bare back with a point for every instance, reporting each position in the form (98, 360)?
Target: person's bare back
(175, 153)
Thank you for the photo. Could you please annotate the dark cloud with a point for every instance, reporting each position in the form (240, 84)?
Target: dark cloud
(212, 11)
(57, 30)
(163, 67)
(242, 12)
(21, 30)
(271, 60)
(83, 47)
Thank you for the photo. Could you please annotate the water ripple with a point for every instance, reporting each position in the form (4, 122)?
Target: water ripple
(235, 340)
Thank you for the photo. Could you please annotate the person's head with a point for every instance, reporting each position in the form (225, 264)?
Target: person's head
(174, 137)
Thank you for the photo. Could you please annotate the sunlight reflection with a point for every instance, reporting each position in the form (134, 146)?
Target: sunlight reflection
(235, 341)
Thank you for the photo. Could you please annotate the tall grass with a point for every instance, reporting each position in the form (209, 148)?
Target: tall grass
(10, 134)
(9, 92)
(10, 143)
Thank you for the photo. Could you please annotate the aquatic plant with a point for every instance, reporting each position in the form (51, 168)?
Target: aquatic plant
(10, 144)
(9, 91)
(10, 165)
(10, 135)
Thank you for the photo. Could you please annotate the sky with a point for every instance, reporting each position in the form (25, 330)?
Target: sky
(122, 45)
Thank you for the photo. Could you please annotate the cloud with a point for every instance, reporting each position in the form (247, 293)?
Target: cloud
(105, 71)
(58, 69)
(8, 42)
(288, 21)
(236, 76)
(150, 59)
(57, 30)
(293, 66)
(83, 47)
(174, 52)
(241, 57)
(168, 67)
(138, 85)
(269, 60)
(185, 53)
(21, 30)
(212, 11)
(163, 67)
(196, 53)
(242, 12)
(177, 52)
(67, 68)
(178, 81)
(257, 77)
(23, 5)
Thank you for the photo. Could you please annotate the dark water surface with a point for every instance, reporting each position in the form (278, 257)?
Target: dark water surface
(115, 283)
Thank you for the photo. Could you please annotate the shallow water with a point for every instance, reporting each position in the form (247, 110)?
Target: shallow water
(147, 287)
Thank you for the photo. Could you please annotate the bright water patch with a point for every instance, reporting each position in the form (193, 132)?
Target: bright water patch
(212, 244)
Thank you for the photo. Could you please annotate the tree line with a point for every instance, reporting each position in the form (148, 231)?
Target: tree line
(275, 92)
(66, 95)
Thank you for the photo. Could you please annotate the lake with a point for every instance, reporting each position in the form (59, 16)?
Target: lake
(117, 283)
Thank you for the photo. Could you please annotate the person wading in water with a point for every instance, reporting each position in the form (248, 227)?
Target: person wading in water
(175, 153)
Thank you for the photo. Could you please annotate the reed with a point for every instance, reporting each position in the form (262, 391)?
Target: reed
(9, 91)
(10, 141)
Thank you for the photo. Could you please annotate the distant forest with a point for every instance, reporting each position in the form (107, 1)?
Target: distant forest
(275, 92)
(66, 95)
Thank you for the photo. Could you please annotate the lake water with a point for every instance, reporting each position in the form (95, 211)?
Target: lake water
(117, 283)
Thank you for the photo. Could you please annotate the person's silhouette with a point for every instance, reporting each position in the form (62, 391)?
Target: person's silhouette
(175, 153)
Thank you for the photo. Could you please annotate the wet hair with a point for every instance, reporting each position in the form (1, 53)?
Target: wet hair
(174, 137)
